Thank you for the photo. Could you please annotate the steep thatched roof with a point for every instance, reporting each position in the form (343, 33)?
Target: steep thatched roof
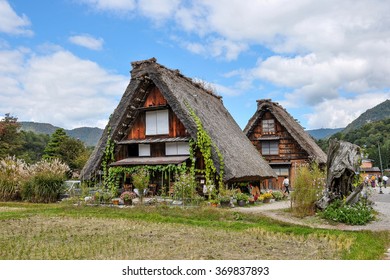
(241, 159)
(292, 126)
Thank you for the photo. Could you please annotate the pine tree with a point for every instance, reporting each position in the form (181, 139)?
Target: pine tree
(53, 148)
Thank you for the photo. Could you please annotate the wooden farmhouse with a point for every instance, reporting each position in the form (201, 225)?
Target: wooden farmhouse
(281, 141)
(155, 122)
(367, 168)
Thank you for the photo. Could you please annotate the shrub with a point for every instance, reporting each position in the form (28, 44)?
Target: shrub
(141, 181)
(308, 187)
(184, 187)
(13, 173)
(357, 214)
(45, 181)
(47, 187)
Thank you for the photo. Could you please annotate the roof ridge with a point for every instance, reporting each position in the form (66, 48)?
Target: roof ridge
(137, 64)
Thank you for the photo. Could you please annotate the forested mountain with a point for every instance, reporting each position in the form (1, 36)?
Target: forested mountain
(377, 113)
(373, 137)
(322, 133)
(89, 135)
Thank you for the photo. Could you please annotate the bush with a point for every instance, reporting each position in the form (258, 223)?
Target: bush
(47, 187)
(141, 181)
(184, 187)
(13, 173)
(357, 214)
(45, 182)
(308, 187)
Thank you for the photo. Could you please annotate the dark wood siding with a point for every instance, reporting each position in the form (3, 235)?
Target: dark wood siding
(289, 149)
(155, 98)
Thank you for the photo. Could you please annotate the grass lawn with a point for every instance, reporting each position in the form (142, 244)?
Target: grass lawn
(62, 231)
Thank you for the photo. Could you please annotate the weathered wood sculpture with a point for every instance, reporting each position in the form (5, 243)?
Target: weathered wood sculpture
(342, 165)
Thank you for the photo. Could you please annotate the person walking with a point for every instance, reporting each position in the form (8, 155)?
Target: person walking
(373, 181)
(286, 184)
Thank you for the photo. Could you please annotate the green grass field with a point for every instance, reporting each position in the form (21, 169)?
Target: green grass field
(63, 231)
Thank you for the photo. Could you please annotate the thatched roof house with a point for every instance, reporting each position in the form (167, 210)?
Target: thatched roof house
(155, 89)
(281, 140)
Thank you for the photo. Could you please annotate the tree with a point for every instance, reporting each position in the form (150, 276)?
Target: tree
(53, 149)
(10, 139)
(73, 152)
(33, 146)
(69, 150)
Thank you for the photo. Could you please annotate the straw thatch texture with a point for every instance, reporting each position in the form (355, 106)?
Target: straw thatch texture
(242, 161)
(292, 126)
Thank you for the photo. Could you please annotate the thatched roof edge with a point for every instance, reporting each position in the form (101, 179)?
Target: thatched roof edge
(292, 126)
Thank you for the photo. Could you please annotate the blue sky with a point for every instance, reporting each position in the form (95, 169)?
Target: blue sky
(67, 62)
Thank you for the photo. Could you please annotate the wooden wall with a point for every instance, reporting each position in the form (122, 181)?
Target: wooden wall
(289, 149)
(157, 100)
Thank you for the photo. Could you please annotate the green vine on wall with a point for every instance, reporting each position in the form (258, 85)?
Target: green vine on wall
(115, 172)
(205, 144)
(108, 157)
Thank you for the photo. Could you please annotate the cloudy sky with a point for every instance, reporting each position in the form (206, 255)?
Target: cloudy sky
(67, 62)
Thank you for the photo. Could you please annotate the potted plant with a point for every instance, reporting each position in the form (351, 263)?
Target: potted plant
(128, 197)
(278, 195)
(242, 199)
(266, 197)
(214, 202)
(224, 200)
(115, 201)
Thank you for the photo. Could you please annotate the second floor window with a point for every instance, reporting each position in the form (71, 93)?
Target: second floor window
(268, 126)
(157, 122)
(270, 148)
(177, 148)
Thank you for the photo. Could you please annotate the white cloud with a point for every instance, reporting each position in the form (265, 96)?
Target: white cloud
(87, 41)
(11, 23)
(215, 48)
(342, 111)
(116, 6)
(158, 9)
(59, 88)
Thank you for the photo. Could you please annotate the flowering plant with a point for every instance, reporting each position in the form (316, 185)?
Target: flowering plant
(125, 196)
(267, 195)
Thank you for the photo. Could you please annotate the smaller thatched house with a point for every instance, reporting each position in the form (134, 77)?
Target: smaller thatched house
(158, 117)
(282, 141)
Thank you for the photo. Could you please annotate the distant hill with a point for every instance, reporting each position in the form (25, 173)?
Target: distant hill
(323, 133)
(89, 135)
(377, 113)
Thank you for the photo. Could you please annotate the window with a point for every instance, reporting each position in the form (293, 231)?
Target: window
(144, 150)
(177, 148)
(268, 126)
(157, 122)
(270, 148)
(281, 171)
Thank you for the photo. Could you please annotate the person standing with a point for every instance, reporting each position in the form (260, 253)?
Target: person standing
(286, 184)
(373, 181)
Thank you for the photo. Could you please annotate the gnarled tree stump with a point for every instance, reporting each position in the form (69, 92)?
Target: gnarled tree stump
(343, 162)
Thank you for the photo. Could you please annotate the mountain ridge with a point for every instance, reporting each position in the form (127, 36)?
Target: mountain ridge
(89, 135)
(377, 113)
